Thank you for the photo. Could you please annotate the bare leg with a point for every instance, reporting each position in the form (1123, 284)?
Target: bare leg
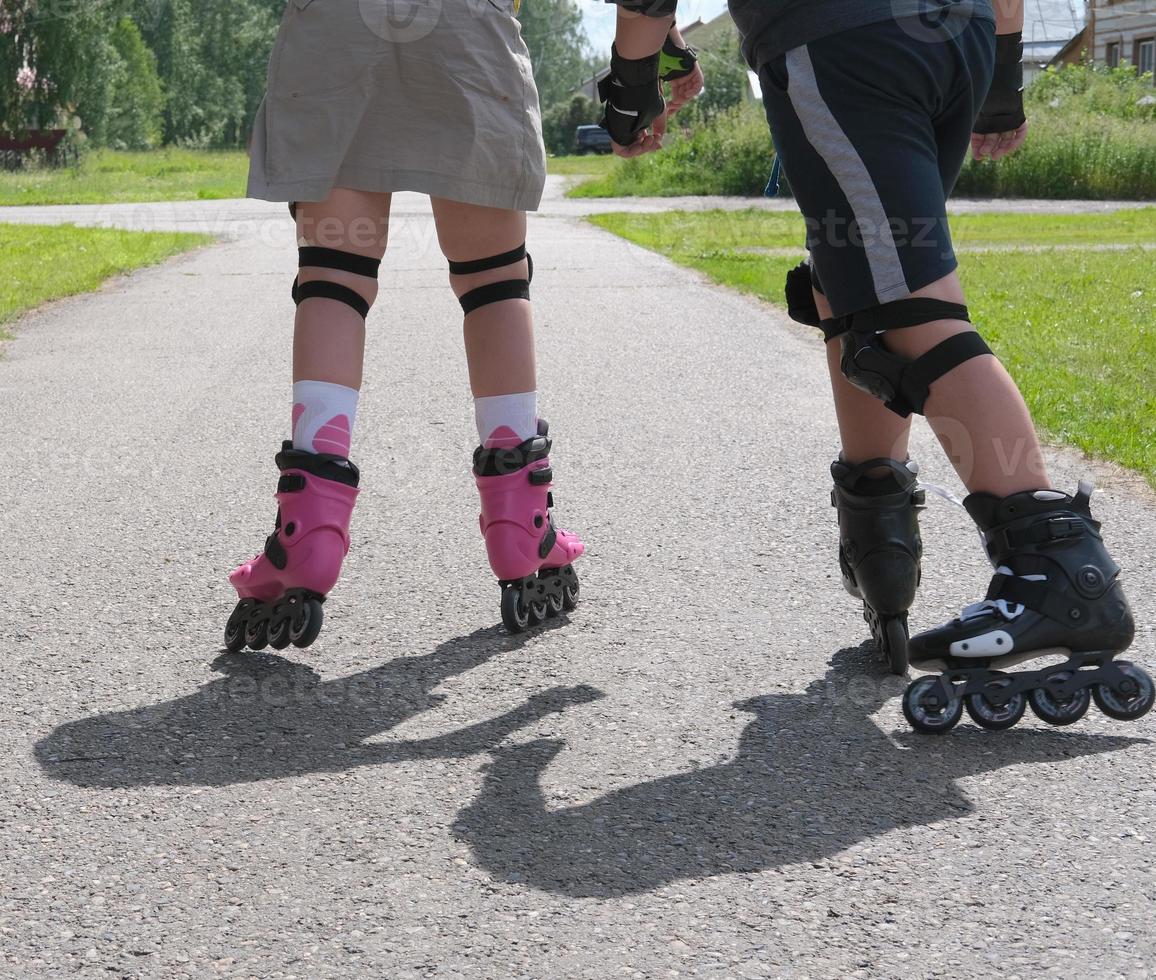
(499, 337)
(868, 429)
(329, 340)
(976, 410)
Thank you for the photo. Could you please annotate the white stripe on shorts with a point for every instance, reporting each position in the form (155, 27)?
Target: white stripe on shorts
(832, 144)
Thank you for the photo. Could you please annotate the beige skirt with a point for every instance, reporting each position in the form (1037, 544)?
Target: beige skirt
(433, 96)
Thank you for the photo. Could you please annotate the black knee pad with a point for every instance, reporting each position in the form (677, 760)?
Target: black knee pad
(331, 258)
(495, 292)
(802, 284)
(904, 386)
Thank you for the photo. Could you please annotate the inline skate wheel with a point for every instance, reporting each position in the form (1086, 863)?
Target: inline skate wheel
(894, 646)
(925, 709)
(257, 633)
(235, 627)
(570, 592)
(995, 717)
(1060, 711)
(515, 610)
(553, 605)
(538, 611)
(1129, 699)
(305, 627)
(280, 632)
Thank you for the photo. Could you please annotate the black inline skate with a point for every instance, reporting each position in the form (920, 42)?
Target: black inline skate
(879, 547)
(1055, 591)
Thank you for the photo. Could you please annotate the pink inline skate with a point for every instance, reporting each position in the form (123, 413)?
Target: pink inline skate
(531, 557)
(282, 589)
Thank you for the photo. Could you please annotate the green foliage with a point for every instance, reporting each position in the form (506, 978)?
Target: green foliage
(731, 154)
(136, 99)
(1093, 136)
(559, 123)
(212, 57)
(1076, 328)
(65, 61)
(1079, 91)
(726, 82)
(559, 48)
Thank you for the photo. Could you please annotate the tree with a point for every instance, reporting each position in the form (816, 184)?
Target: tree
(136, 99)
(560, 122)
(54, 62)
(559, 47)
(212, 57)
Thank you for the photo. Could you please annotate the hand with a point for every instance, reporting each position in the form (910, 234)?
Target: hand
(995, 146)
(682, 90)
(648, 141)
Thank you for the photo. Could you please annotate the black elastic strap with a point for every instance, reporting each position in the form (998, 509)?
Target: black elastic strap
(495, 292)
(915, 385)
(323, 289)
(493, 262)
(902, 313)
(331, 258)
(1036, 596)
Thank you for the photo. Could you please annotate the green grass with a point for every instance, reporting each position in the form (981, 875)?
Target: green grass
(112, 177)
(39, 263)
(1077, 329)
(590, 164)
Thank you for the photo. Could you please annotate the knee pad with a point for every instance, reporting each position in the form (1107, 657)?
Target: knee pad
(495, 292)
(801, 307)
(901, 384)
(331, 258)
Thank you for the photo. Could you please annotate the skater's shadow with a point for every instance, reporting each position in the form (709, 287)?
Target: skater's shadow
(267, 717)
(813, 775)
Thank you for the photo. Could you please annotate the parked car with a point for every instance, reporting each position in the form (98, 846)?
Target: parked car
(592, 139)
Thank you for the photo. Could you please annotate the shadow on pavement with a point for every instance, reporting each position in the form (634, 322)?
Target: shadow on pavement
(813, 776)
(268, 717)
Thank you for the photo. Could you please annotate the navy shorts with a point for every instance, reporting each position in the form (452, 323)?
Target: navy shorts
(873, 126)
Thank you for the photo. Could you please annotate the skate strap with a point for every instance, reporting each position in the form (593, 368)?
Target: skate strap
(493, 262)
(323, 289)
(1041, 532)
(1038, 597)
(315, 257)
(495, 292)
(312, 256)
(291, 483)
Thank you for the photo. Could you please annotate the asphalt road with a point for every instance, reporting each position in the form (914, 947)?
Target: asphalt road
(700, 773)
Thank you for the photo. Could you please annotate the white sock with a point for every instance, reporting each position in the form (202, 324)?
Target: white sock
(507, 420)
(323, 417)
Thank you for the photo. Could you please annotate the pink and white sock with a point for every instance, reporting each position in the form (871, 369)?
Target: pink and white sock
(505, 421)
(323, 417)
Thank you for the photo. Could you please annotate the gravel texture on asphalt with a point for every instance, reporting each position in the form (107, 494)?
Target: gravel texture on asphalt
(701, 772)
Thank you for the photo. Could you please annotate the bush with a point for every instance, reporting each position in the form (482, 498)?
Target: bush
(732, 154)
(560, 122)
(1093, 136)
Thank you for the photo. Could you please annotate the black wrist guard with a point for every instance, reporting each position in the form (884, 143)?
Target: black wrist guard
(630, 96)
(1003, 110)
(675, 62)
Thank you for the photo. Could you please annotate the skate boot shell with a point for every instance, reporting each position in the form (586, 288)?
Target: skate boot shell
(880, 547)
(281, 590)
(529, 554)
(1056, 590)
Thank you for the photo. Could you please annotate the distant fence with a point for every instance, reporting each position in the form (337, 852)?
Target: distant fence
(43, 145)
